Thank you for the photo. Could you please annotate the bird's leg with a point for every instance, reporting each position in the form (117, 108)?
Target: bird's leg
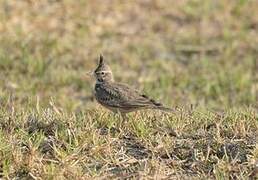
(124, 119)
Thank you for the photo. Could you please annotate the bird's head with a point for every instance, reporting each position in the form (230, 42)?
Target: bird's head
(103, 72)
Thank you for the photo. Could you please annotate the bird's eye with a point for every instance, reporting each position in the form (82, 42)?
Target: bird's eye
(102, 73)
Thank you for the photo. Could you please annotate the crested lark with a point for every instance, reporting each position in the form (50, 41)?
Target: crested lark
(118, 97)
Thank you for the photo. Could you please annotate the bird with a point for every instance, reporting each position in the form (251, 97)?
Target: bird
(120, 98)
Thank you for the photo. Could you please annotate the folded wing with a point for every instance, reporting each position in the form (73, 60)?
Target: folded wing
(121, 96)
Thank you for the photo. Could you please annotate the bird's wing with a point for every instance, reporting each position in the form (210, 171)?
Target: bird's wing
(125, 97)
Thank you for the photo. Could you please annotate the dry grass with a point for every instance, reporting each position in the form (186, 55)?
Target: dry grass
(198, 55)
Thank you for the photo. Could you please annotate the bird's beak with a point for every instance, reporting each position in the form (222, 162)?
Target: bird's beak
(89, 74)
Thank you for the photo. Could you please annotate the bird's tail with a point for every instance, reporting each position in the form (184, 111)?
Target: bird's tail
(161, 107)
(165, 109)
(157, 105)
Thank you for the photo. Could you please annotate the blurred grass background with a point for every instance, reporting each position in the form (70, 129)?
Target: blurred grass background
(185, 52)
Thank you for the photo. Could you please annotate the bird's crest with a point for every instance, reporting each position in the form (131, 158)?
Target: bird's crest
(102, 65)
(101, 59)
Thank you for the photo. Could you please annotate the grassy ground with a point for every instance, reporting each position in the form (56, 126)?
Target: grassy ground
(200, 56)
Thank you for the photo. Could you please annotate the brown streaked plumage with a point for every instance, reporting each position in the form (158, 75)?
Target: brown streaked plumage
(118, 97)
